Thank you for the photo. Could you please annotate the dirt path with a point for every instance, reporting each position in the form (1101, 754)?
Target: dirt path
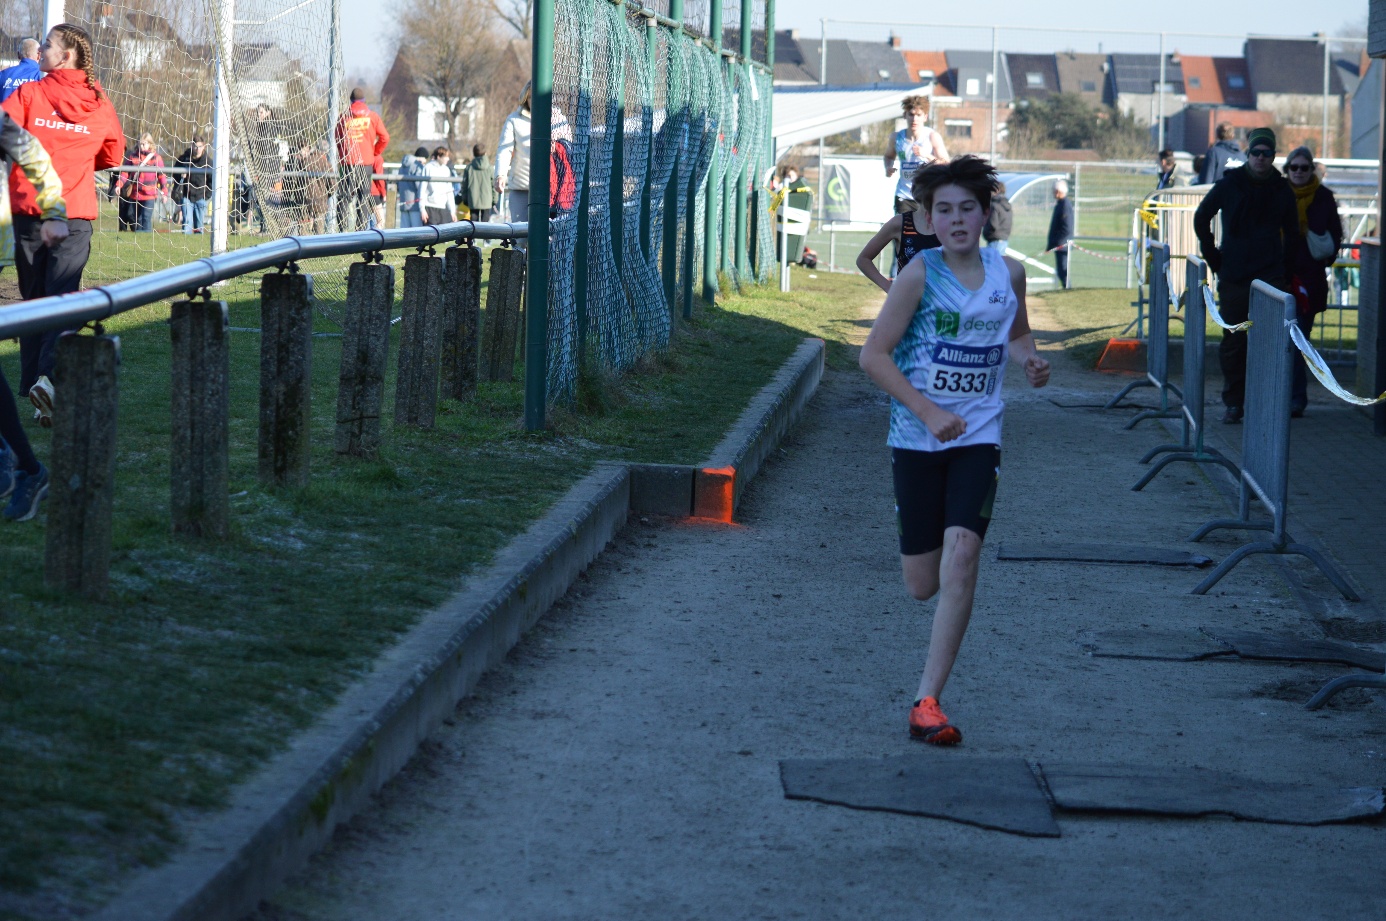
(623, 763)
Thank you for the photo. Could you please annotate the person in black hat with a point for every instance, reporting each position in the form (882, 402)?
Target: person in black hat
(1260, 231)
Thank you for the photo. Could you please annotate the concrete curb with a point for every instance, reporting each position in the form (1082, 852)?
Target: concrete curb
(278, 819)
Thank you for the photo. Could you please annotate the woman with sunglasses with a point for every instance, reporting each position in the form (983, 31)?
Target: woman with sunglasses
(1260, 231)
(1320, 238)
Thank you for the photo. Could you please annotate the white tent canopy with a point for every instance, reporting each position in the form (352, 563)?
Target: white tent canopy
(807, 113)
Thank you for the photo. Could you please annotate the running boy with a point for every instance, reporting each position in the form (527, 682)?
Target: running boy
(938, 349)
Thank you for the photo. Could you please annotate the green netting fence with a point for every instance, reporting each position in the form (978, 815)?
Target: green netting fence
(668, 133)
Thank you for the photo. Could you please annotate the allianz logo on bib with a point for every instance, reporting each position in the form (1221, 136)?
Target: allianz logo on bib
(965, 356)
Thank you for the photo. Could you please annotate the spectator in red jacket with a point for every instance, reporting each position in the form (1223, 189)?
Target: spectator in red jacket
(75, 122)
(147, 187)
(361, 137)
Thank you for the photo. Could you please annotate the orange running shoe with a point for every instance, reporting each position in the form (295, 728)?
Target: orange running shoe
(928, 724)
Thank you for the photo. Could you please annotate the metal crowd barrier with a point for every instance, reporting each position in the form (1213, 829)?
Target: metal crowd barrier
(1191, 447)
(1265, 469)
(1157, 346)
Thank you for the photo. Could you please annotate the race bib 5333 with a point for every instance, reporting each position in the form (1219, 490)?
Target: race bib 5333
(964, 371)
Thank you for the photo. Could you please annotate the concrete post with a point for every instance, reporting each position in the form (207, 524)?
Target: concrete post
(461, 321)
(365, 350)
(502, 329)
(286, 359)
(416, 383)
(201, 373)
(77, 555)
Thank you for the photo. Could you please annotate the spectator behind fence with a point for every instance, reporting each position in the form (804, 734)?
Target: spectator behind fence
(1320, 238)
(436, 195)
(361, 137)
(26, 71)
(411, 169)
(23, 480)
(74, 121)
(125, 207)
(1060, 231)
(1169, 176)
(307, 187)
(476, 192)
(192, 189)
(1259, 231)
(998, 231)
(512, 163)
(141, 186)
(1225, 154)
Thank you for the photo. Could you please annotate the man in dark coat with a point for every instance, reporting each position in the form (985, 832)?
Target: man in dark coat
(1260, 229)
(1060, 231)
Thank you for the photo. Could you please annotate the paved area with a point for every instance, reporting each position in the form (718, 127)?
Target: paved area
(624, 761)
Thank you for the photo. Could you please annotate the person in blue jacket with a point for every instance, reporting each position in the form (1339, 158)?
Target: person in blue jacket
(1224, 155)
(26, 71)
(1060, 231)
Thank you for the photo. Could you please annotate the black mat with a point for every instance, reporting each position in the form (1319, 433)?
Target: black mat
(1098, 553)
(1143, 643)
(1192, 792)
(1296, 648)
(996, 793)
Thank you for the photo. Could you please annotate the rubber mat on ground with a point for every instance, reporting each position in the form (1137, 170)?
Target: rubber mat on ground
(1296, 648)
(1098, 553)
(1152, 643)
(1193, 792)
(996, 793)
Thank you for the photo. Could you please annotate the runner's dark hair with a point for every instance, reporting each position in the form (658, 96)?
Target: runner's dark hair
(968, 172)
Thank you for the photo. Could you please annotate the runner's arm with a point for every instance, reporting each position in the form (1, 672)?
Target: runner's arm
(940, 151)
(1022, 348)
(866, 259)
(878, 355)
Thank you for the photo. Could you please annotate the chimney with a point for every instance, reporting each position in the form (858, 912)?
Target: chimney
(894, 40)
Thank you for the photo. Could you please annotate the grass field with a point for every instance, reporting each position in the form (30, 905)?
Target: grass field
(120, 719)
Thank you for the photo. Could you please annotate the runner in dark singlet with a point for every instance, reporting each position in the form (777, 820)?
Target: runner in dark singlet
(909, 241)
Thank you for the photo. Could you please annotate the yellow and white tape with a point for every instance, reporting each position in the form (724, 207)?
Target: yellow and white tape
(1217, 317)
(1320, 368)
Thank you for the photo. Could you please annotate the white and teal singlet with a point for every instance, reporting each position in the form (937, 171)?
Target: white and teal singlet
(954, 352)
(910, 155)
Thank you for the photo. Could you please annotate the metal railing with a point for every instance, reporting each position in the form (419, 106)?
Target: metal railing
(1157, 346)
(72, 311)
(1190, 447)
(1265, 472)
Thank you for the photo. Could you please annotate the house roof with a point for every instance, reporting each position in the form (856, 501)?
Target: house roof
(976, 65)
(937, 61)
(1033, 76)
(1287, 66)
(263, 61)
(1078, 71)
(1201, 83)
(1138, 74)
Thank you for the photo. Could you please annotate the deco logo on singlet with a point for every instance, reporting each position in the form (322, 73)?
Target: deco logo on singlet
(947, 322)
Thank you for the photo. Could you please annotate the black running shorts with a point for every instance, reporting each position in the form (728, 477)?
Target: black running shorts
(937, 490)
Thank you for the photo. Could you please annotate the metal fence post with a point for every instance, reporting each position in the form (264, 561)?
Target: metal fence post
(537, 247)
(365, 349)
(416, 380)
(201, 374)
(77, 553)
(1265, 472)
(286, 355)
(461, 321)
(1157, 345)
(1191, 447)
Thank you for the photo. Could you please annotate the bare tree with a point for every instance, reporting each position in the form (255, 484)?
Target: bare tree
(454, 51)
(517, 14)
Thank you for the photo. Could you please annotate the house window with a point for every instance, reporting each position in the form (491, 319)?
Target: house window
(1236, 81)
(974, 87)
(957, 127)
(1196, 82)
(1034, 80)
(1089, 86)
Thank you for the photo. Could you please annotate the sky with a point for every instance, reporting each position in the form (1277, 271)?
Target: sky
(368, 43)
